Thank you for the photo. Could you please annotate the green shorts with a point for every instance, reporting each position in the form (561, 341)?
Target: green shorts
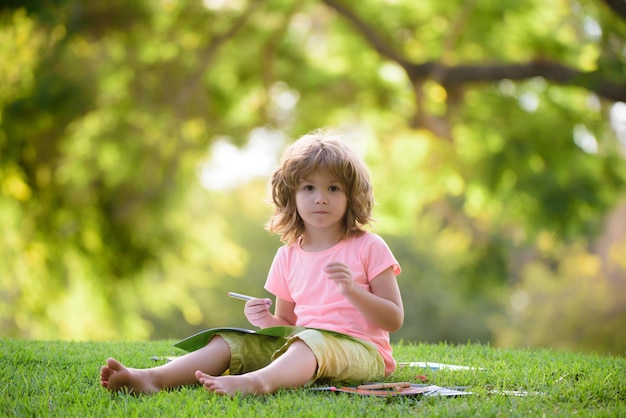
(339, 357)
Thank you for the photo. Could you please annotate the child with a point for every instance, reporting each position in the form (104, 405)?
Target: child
(331, 276)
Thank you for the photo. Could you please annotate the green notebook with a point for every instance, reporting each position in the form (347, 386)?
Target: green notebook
(200, 339)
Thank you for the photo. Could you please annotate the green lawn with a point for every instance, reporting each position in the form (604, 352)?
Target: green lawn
(61, 379)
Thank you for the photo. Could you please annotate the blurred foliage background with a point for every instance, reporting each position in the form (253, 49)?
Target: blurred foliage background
(136, 139)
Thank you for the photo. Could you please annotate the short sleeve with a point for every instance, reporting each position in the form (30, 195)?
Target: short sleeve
(378, 257)
(276, 282)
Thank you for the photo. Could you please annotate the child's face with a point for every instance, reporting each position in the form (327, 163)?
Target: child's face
(321, 201)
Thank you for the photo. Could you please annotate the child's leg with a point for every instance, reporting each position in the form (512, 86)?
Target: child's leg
(296, 367)
(212, 359)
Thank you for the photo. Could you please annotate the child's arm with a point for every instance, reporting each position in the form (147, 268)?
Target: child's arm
(284, 312)
(382, 307)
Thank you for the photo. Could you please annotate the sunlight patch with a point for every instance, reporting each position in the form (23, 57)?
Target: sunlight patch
(230, 166)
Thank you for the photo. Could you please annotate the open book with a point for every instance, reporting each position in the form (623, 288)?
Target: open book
(387, 390)
(200, 339)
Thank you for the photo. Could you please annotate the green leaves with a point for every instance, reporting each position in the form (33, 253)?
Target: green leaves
(485, 125)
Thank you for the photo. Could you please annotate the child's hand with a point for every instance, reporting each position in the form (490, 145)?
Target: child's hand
(258, 311)
(342, 276)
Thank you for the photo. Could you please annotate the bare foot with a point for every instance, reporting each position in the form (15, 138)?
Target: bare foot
(118, 378)
(243, 384)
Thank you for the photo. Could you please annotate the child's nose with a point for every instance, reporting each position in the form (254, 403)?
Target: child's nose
(321, 199)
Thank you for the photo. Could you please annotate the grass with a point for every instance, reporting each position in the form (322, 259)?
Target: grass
(55, 378)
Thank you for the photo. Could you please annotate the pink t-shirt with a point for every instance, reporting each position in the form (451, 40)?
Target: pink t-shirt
(298, 276)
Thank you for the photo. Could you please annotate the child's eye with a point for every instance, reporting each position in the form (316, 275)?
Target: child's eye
(334, 188)
(308, 187)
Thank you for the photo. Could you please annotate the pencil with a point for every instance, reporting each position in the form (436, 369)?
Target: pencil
(244, 297)
(390, 385)
(239, 296)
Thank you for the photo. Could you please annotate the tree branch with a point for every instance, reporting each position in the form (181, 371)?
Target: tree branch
(550, 70)
(618, 6)
(379, 44)
(463, 74)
